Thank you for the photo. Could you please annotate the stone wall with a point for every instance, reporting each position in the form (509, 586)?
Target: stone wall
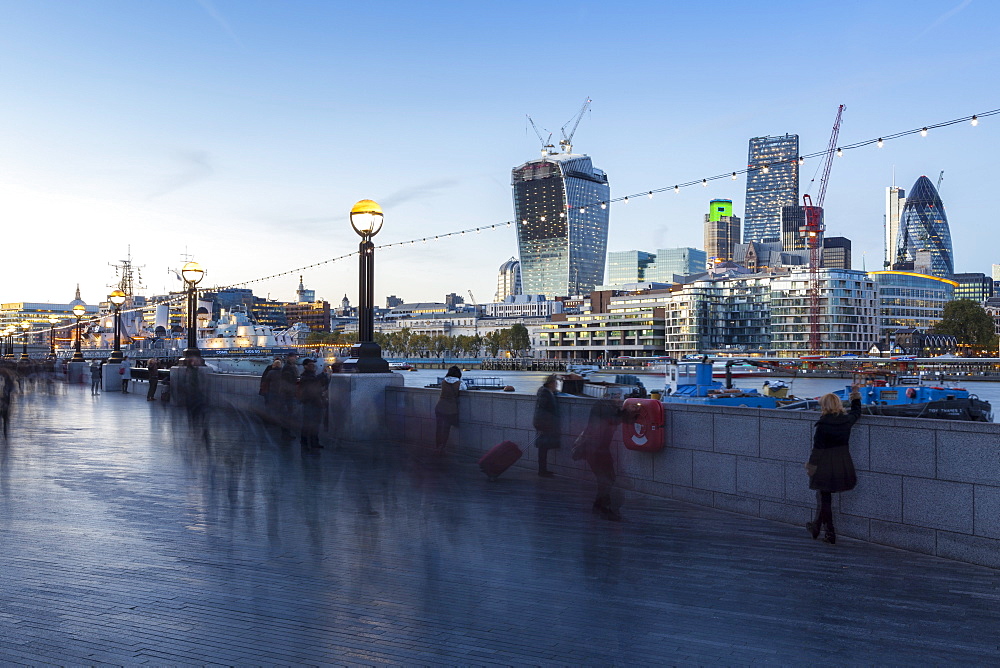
(929, 486)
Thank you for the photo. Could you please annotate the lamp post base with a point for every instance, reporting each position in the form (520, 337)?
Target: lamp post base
(77, 357)
(192, 352)
(116, 357)
(366, 358)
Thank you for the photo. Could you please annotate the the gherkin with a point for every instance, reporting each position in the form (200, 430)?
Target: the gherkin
(923, 243)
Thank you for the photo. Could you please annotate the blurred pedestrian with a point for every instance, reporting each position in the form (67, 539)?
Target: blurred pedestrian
(289, 379)
(595, 446)
(270, 388)
(830, 466)
(312, 395)
(153, 368)
(125, 371)
(546, 423)
(446, 410)
(8, 385)
(95, 377)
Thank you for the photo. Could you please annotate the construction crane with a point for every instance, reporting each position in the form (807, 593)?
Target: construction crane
(566, 143)
(475, 316)
(812, 230)
(547, 146)
(940, 179)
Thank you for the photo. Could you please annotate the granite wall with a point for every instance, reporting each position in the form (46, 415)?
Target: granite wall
(929, 486)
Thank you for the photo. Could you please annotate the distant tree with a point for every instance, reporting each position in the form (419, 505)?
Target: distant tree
(492, 343)
(520, 342)
(968, 322)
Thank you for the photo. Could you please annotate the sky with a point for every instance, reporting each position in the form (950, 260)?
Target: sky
(240, 133)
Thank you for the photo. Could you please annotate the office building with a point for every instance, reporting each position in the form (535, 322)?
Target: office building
(561, 212)
(772, 182)
(974, 286)
(909, 300)
(509, 280)
(895, 199)
(837, 253)
(671, 262)
(923, 244)
(269, 312)
(625, 267)
(522, 306)
(304, 296)
(315, 315)
(722, 231)
(801, 227)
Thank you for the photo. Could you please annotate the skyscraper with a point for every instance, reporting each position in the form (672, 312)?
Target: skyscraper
(924, 239)
(629, 266)
(794, 230)
(722, 231)
(508, 280)
(836, 253)
(895, 198)
(772, 182)
(560, 205)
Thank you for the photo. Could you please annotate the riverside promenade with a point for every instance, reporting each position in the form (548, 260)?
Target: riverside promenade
(127, 537)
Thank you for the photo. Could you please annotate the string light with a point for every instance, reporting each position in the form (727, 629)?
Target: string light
(704, 183)
(840, 153)
(677, 189)
(802, 160)
(880, 142)
(650, 193)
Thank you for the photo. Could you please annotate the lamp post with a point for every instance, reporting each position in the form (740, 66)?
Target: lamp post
(26, 326)
(78, 310)
(117, 298)
(8, 342)
(192, 273)
(53, 319)
(366, 219)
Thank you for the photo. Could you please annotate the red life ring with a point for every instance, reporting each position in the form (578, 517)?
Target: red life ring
(911, 393)
(643, 430)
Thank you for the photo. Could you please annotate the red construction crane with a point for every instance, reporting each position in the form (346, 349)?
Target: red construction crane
(812, 230)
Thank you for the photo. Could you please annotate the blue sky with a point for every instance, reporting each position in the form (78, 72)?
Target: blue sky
(241, 132)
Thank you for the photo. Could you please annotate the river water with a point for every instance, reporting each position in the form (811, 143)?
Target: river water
(527, 382)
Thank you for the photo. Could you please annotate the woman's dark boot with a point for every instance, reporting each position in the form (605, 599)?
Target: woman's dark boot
(830, 536)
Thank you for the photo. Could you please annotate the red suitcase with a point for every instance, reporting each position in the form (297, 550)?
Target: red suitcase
(499, 459)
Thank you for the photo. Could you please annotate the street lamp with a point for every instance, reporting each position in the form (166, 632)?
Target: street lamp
(8, 342)
(78, 310)
(53, 319)
(117, 298)
(26, 326)
(366, 219)
(192, 273)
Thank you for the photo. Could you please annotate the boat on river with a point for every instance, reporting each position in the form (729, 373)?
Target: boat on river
(921, 401)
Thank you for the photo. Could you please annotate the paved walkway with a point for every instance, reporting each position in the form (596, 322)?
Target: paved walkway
(127, 539)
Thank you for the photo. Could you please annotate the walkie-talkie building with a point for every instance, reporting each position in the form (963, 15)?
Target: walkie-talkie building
(923, 242)
(561, 210)
(772, 182)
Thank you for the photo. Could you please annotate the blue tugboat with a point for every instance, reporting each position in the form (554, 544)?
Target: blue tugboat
(886, 397)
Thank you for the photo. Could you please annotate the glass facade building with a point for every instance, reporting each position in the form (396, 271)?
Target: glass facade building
(909, 300)
(974, 286)
(895, 199)
(793, 226)
(562, 229)
(772, 182)
(924, 236)
(837, 252)
(508, 280)
(679, 261)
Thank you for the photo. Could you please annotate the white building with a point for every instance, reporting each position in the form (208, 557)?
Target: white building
(522, 306)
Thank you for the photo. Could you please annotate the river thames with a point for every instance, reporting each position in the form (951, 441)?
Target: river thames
(529, 381)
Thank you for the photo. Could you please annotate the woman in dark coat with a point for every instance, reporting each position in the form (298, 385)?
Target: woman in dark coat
(312, 394)
(546, 423)
(830, 466)
(446, 410)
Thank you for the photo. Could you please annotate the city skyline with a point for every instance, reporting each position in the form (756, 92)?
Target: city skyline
(242, 134)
